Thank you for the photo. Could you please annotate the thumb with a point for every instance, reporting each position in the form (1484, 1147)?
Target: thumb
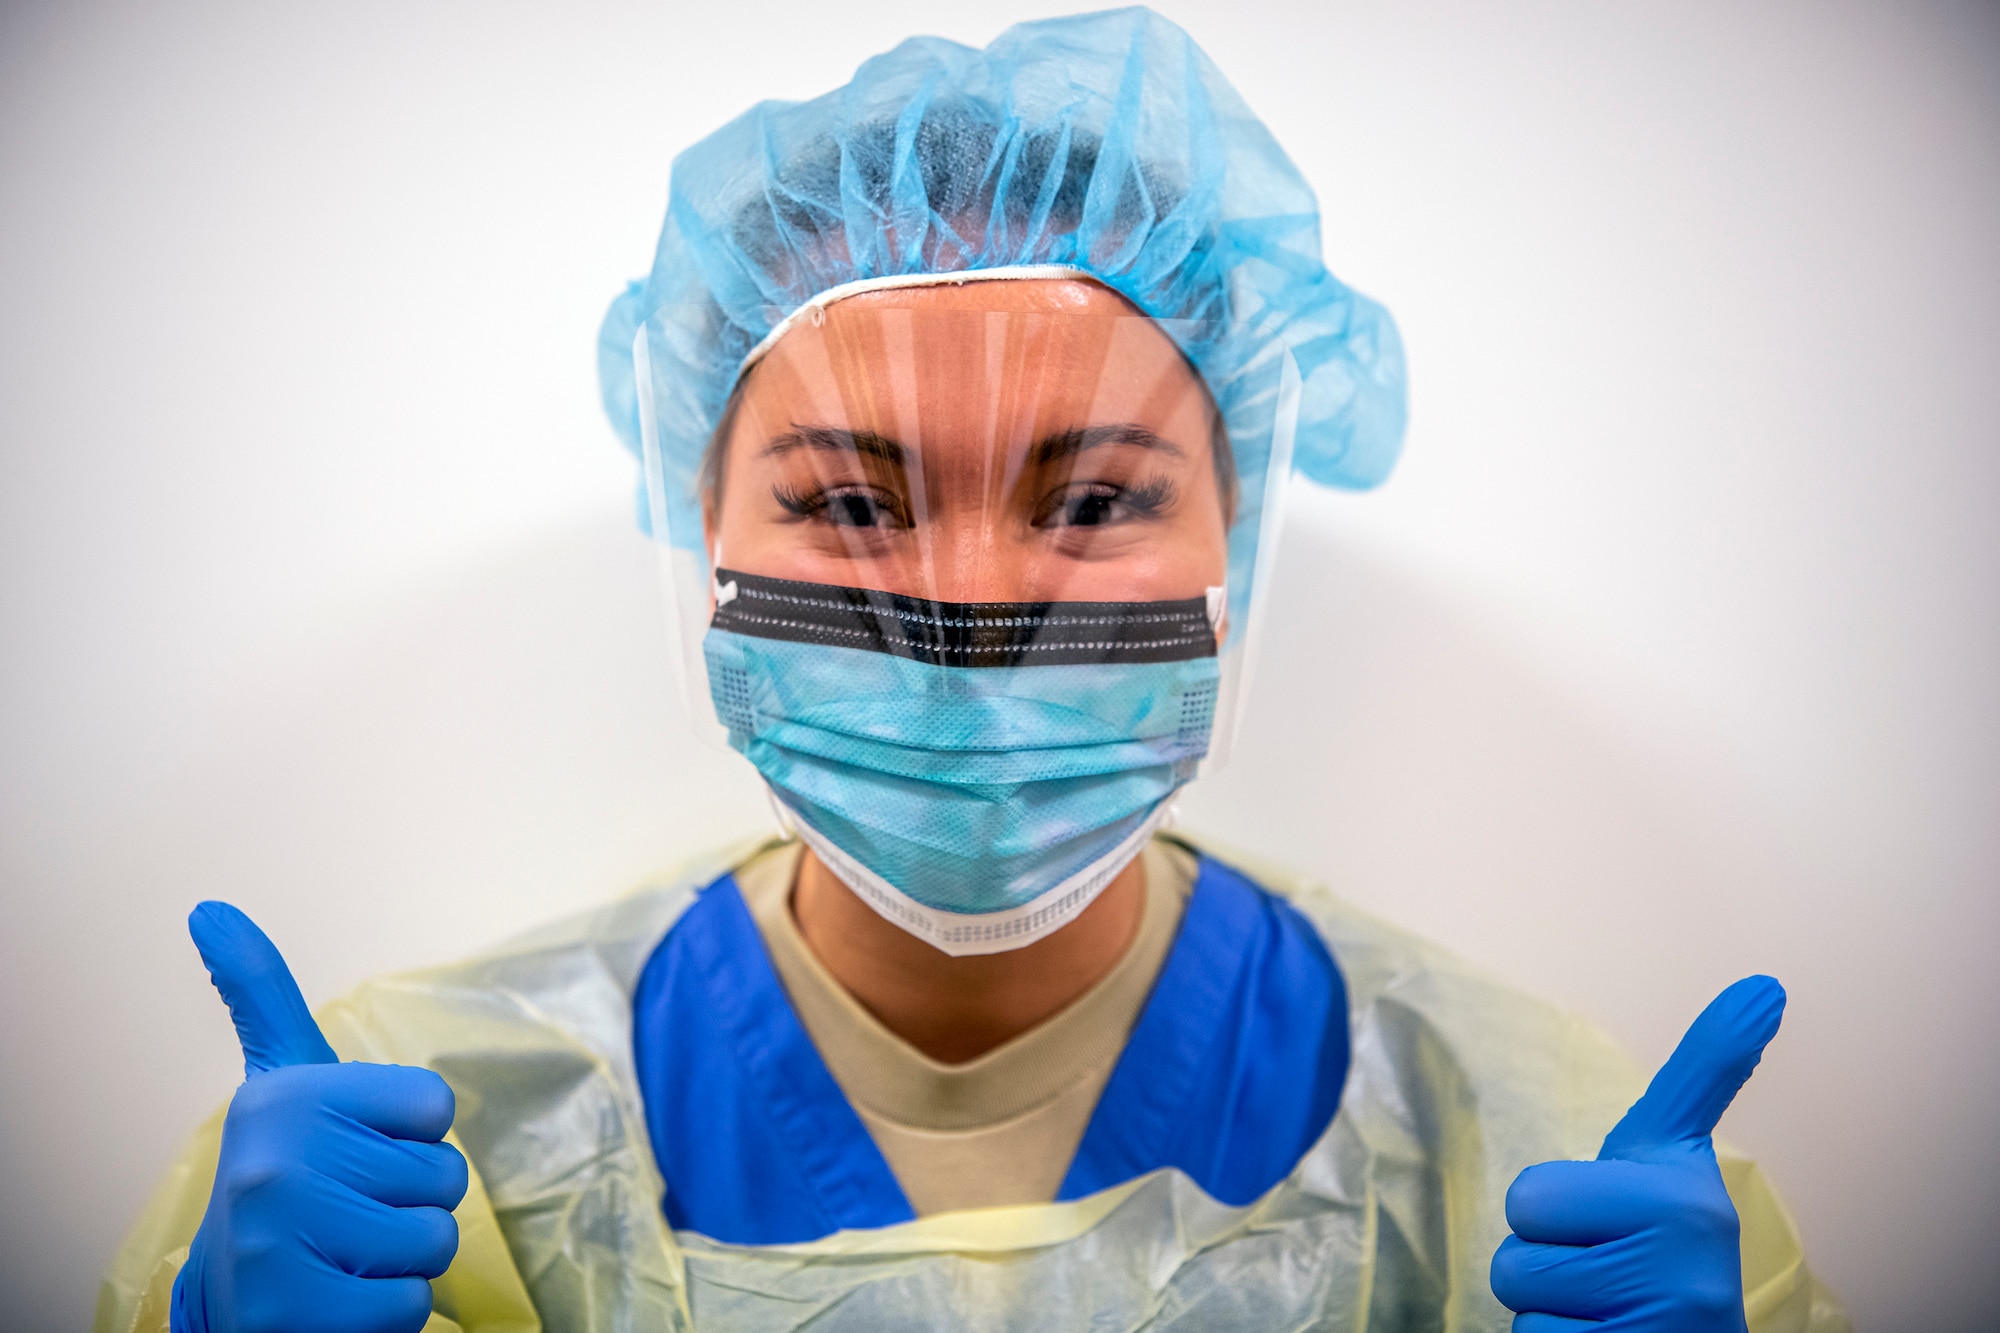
(271, 1017)
(1699, 1080)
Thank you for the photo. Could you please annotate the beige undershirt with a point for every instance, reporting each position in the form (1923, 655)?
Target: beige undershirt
(999, 1129)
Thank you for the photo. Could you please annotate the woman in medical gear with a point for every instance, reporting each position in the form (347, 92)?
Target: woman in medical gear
(966, 397)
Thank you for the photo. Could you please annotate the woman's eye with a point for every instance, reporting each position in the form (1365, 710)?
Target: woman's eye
(845, 506)
(856, 511)
(1094, 504)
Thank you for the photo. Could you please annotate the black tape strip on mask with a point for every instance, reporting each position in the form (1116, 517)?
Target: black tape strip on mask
(963, 634)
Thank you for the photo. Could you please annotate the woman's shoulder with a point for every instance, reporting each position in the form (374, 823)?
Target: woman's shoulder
(570, 979)
(1436, 1039)
(1460, 1079)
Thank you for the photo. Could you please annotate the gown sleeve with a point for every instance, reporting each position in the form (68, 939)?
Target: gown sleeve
(1780, 1294)
(481, 1292)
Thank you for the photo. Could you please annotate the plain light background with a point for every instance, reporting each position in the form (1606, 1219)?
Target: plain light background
(1671, 654)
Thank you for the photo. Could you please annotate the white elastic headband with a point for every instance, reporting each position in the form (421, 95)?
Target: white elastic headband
(815, 309)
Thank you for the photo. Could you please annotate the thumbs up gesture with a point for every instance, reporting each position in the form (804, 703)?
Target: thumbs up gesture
(333, 1193)
(1645, 1237)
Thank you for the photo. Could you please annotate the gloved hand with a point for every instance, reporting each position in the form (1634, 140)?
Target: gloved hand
(1645, 1237)
(332, 1196)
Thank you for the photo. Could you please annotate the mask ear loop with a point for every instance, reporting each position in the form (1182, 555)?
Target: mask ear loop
(786, 826)
(723, 593)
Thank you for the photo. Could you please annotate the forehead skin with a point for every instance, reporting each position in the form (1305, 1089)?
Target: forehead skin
(969, 380)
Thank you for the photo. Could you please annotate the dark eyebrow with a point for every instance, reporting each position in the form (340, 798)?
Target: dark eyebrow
(833, 439)
(1069, 443)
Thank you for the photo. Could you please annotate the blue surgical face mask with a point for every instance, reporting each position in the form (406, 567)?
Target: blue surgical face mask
(976, 772)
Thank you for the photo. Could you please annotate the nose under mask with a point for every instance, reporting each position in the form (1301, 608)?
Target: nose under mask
(976, 772)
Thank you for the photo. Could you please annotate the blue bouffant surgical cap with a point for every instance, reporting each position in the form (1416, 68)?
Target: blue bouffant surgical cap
(1104, 143)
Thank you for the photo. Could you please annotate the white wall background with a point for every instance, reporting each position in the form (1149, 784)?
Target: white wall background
(1672, 653)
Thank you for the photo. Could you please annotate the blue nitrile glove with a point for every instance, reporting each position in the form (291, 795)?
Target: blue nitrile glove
(333, 1194)
(1644, 1239)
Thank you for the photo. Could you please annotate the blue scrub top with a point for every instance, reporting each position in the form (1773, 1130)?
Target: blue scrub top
(1232, 1071)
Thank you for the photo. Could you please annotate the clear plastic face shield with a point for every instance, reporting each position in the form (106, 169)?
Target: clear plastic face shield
(970, 573)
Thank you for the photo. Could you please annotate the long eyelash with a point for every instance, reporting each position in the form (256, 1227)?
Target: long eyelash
(804, 503)
(1149, 497)
(814, 503)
